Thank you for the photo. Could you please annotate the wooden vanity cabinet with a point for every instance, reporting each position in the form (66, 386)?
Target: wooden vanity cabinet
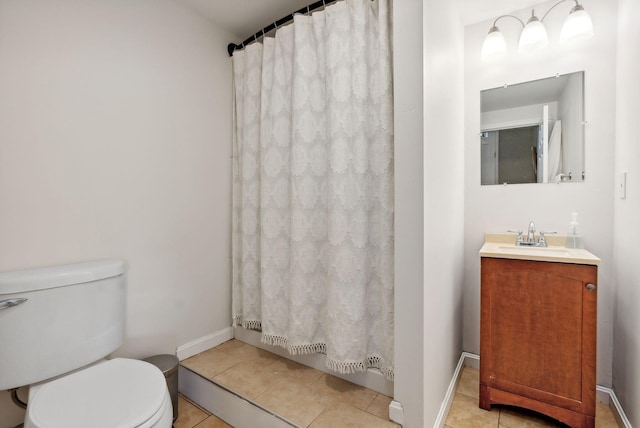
(538, 338)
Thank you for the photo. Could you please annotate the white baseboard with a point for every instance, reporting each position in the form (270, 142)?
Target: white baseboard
(470, 360)
(614, 405)
(396, 412)
(603, 394)
(202, 344)
(451, 390)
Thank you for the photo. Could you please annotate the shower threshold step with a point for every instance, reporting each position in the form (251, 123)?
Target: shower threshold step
(249, 387)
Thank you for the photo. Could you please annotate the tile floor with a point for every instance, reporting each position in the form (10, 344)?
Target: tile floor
(191, 415)
(465, 413)
(300, 394)
(311, 398)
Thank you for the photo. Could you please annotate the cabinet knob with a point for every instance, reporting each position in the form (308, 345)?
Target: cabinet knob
(591, 287)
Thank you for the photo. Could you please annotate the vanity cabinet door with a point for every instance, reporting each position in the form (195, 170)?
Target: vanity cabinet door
(538, 338)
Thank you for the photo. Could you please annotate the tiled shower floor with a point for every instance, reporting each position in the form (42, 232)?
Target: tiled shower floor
(311, 398)
(300, 394)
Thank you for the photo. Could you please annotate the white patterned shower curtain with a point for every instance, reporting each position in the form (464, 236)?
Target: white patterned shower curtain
(313, 187)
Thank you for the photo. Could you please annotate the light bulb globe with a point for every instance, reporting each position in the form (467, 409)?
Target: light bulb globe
(578, 25)
(494, 45)
(533, 36)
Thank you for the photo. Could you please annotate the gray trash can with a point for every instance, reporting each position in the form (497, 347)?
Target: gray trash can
(168, 364)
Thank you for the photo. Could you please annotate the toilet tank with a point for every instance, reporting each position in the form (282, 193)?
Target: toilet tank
(73, 315)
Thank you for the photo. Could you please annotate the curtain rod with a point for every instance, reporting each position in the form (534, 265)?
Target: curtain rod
(280, 22)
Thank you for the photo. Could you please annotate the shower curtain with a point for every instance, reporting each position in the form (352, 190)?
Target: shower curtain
(313, 187)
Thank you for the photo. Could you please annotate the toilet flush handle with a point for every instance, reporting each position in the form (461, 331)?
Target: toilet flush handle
(10, 303)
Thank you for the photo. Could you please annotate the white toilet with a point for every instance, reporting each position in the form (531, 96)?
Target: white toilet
(56, 326)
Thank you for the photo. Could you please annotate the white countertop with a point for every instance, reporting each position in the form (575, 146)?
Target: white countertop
(502, 246)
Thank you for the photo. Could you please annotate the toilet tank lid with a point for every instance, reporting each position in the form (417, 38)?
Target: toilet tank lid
(21, 281)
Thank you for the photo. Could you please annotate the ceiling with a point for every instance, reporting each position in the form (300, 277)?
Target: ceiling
(473, 11)
(243, 18)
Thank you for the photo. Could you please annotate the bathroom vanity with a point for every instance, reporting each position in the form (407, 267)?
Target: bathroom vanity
(538, 329)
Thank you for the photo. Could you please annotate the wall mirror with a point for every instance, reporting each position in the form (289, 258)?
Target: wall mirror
(533, 132)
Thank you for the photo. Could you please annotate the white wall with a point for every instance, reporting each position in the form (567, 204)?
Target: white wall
(626, 351)
(443, 199)
(428, 204)
(115, 138)
(409, 196)
(428, 214)
(498, 208)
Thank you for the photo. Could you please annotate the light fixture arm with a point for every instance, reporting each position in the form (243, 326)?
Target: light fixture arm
(510, 16)
(551, 8)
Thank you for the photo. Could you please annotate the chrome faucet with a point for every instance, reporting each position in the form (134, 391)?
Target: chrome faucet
(531, 240)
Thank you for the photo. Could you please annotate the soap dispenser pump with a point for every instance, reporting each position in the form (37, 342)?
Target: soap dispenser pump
(574, 238)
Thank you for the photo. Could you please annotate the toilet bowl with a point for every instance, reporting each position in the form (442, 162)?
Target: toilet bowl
(119, 393)
(57, 325)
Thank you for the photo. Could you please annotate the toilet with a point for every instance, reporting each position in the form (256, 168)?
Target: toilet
(57, 325)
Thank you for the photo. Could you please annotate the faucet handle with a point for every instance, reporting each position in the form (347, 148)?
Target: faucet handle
(542, 241)
(520, 238)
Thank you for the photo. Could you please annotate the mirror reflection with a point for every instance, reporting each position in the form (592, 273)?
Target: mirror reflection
(533, 132)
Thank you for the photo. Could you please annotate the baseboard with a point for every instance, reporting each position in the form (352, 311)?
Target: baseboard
(396, 412)
(372, 378)
(603, 394)
(202, 344)
(470, 360)
(614, 405)
(451, 390)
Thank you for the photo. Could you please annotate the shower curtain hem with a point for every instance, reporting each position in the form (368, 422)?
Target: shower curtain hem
(342, 367)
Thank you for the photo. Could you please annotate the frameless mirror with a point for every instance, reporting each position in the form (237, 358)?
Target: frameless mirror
(533, 132)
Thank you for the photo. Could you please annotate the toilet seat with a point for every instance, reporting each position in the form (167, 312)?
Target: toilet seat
(119, 393)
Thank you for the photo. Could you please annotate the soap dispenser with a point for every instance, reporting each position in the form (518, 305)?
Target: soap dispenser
(574, 238)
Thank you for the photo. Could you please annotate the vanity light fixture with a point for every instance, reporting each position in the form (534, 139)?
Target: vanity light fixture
(578, 25)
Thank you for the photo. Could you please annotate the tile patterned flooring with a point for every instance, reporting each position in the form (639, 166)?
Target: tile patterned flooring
(190, 415)
(465, 413)
(311, 398)
(300, 394)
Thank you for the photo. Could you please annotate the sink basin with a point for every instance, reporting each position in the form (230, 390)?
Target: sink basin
(556, 251)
